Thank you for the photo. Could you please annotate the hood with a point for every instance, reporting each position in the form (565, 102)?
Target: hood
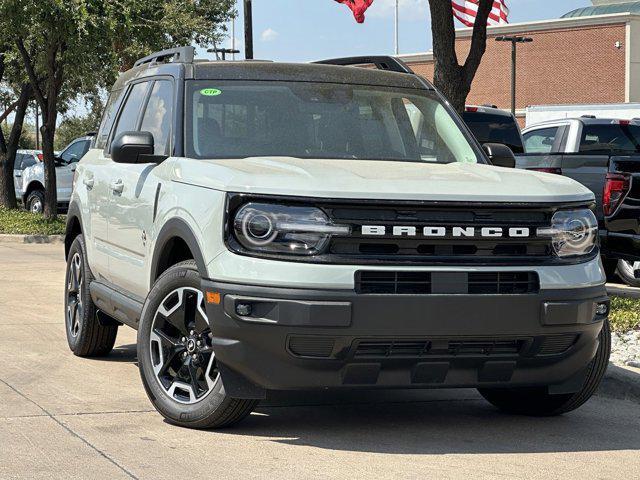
(366, 179)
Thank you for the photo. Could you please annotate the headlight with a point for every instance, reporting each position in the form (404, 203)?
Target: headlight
(282, 229)
(572, 232)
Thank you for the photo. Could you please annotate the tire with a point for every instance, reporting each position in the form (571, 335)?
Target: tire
(626, 271)
(35, 202)
(175, 357)
(86, 335)
(610, 269)
(535, 401)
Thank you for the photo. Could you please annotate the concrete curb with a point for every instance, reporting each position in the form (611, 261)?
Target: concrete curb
(4, 238)
(622, 383)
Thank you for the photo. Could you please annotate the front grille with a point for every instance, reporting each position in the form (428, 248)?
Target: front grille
(503, 283)
(318, 347)
(558, 344)
(443, 249)
(427, 283)
(388, 349)
(421, 348)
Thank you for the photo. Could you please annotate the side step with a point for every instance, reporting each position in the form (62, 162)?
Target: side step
(115, 304)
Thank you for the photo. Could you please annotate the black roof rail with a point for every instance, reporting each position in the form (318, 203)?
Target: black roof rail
(381, 62)
(179, 55)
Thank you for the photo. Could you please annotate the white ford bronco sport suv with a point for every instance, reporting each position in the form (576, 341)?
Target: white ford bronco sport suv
(274, 226)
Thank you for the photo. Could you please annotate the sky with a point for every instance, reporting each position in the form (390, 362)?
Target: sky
(303, 30)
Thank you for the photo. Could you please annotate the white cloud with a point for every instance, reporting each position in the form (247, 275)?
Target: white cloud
(269, 35)
(409, 9)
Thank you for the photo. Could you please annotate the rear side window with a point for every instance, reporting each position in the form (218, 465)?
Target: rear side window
(158, 116)
(128, 120)
(108, 118)
(74, 152)
(540, 141)
(491, 128)
(612, 138)
(17, 165)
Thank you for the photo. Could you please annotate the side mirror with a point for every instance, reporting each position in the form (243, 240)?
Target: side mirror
(500, 155)
(134, 147)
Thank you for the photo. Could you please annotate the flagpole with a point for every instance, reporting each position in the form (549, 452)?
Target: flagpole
(397, 32)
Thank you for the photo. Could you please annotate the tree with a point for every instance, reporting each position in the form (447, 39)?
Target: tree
(75, 126)
(72, 47)
(9, 144)
(451, 78)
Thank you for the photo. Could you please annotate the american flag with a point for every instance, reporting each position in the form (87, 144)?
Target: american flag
(466, 11)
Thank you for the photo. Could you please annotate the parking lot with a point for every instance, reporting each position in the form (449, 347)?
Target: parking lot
(65, 417)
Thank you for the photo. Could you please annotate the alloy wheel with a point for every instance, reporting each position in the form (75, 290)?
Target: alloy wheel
(181, 347)
(75, 307)
(36, 206)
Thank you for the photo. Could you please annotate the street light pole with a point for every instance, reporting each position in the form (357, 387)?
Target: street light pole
(248, 30)
(514, 58)
(397, 28)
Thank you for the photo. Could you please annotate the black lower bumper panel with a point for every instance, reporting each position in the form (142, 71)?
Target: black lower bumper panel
(297, 339)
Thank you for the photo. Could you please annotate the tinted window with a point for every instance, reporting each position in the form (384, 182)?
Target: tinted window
(17, 165)
(491, 128)
(540, 141)
(75, 151)
(158, 117)
(611, 138)
(108, 118)
(325, 121)
(128, 120)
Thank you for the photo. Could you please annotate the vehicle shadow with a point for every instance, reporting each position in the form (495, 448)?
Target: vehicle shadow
(436, 423)
(121, 354)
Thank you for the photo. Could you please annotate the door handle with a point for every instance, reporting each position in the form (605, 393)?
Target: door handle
(88, 182)
(117, 187)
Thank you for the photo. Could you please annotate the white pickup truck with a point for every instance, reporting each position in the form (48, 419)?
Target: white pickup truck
(269, 226)
(32, 185)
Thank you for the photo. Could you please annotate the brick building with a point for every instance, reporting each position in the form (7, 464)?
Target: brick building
(590, 55)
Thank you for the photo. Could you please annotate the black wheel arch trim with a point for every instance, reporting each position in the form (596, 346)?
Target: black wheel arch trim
(73, 216)
(176, 228)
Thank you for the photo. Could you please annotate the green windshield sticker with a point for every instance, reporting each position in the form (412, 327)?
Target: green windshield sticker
(210, 92)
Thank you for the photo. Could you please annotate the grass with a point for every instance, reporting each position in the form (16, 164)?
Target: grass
(625, 314)
(20, 222)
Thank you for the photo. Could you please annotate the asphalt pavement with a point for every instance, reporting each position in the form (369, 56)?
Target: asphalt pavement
(66, 417)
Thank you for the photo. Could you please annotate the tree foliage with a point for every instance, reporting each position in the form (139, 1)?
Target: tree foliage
(76, 47)
(450, 77)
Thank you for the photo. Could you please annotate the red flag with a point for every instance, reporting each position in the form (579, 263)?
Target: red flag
(358, 7)
(466, 11)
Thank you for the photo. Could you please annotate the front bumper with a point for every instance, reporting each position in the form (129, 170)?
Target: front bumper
(301, 339)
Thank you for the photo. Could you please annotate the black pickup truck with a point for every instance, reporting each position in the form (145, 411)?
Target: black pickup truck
(603, 155)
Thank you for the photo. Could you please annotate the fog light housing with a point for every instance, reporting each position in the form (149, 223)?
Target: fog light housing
(244, 309)
(602, 309)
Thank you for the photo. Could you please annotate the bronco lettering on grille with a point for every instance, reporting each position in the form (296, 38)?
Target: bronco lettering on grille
(435, 232)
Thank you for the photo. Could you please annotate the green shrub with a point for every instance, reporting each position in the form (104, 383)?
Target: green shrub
(625, 314)
(20, 222)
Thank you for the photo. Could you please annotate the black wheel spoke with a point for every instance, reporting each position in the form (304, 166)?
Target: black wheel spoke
(181, 345)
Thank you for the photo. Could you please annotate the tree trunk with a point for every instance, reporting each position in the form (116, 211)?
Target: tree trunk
(9, 149)
(451, 78)
(50, 184)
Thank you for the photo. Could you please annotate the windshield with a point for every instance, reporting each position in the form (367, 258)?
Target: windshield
(492, 128)
(611, 138)
(326, 121)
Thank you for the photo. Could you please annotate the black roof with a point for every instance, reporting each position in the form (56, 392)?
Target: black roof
(272, 71)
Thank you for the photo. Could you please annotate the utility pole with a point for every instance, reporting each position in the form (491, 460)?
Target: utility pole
(397, 29)
(248, 30)
(514, 58)
(233, 38)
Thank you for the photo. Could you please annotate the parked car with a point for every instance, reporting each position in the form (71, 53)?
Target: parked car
(270, 226)
(604, 155)
(24, 160)
(493, 125)
(33, 185)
